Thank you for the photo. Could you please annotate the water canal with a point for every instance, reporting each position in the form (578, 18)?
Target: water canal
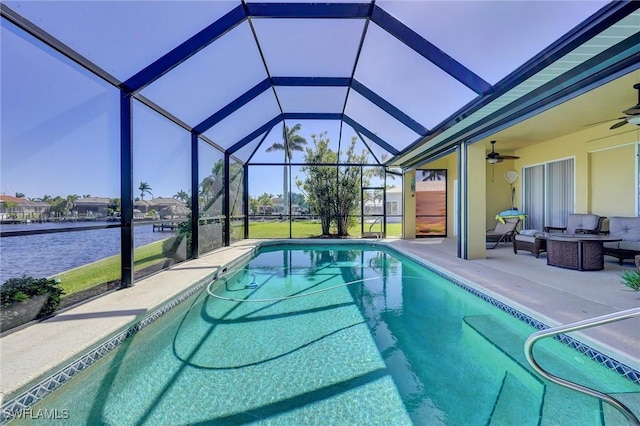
(45, 255)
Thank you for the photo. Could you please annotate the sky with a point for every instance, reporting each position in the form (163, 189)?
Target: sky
(59, 123)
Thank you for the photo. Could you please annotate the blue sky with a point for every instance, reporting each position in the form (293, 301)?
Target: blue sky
(60, 124)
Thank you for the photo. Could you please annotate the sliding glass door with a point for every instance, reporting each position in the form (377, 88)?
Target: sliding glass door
(548, 193)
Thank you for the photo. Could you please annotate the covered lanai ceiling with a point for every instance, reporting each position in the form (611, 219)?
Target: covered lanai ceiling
(408, 79)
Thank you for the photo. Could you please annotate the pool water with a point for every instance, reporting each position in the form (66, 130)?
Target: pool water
(335, 335)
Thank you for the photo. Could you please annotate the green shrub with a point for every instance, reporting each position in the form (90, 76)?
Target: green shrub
(632, 279)
(23, 288)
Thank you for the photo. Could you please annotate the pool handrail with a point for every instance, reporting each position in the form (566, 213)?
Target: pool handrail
(377, 219)
(574, 326)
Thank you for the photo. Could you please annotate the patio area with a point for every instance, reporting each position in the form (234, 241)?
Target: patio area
(549, 294)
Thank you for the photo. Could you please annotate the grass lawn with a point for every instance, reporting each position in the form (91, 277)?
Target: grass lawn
(308, 228)
(108, 269)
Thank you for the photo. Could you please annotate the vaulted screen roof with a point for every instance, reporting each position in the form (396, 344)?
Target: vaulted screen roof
(404, 78)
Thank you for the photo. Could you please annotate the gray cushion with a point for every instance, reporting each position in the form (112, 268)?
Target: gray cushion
(527, 238)
(629, 245)
(627, 228)
(588, 222)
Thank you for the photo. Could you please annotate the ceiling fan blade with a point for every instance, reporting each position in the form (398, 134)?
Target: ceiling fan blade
(635, 110)
(618, 124)
(604, 121)
(508, 157)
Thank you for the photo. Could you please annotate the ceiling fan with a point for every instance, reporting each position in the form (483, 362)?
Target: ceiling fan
(494, 157)
(631, 115)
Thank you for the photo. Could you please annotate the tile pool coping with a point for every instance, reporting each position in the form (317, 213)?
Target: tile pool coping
(34, 393)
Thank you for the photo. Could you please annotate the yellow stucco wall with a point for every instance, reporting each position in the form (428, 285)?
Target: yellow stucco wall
(499, 190)
(612, 181)
(409, 206)
(477, 202)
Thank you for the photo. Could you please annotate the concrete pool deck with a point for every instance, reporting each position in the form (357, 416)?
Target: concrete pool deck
(549, 294)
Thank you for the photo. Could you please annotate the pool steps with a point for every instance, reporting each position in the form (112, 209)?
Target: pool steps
(500, 338)
(513, 393)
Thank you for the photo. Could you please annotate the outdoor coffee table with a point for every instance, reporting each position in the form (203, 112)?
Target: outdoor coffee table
(582, 252)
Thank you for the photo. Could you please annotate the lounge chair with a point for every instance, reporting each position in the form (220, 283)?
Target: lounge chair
(503, 232)
(579, 223)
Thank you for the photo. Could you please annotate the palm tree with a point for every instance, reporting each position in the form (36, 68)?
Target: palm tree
(182, 195)
(291, 141)
(9, 207)
(264, 201)
(254, 205)
(433, 174)
(71, 201)
(144, 188)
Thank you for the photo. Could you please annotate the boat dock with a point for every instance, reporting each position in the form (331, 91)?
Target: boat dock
(167, 226)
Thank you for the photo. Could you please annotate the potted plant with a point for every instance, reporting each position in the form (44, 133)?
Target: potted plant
(26, 298)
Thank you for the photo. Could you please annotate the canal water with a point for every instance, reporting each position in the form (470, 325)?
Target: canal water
(45, 255)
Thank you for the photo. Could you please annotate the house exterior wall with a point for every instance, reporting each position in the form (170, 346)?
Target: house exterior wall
(606, 176)
(612, 181)
(92, 206)
(409, 205)
(605, 170)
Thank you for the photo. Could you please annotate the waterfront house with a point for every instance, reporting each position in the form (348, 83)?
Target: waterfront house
(92, 207)
(143, 206)
(169, 208)
(21, 209)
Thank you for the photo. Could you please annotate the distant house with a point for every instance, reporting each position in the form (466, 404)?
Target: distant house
(169, 208)
(394, 201)
(393, 204)
(163, 202)
(277, 205)
(143, 206)
(21, 208)
(92, 206)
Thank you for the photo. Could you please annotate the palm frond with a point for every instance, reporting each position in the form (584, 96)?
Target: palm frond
(276, 147)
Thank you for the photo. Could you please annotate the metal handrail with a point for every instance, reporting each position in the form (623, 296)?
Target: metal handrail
(579, 325)
(377, 219)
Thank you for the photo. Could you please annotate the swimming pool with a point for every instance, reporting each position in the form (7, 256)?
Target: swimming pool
(333, 335)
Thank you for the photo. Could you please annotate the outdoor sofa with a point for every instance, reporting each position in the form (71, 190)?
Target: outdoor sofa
(628, 230)
(580, 223)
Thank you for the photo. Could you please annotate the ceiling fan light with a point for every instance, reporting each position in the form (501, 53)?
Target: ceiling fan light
(492, 160)
(634, 120)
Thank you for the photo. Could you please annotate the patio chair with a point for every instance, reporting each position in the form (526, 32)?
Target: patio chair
(530, 240)
(503, 232)
(579, 223)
